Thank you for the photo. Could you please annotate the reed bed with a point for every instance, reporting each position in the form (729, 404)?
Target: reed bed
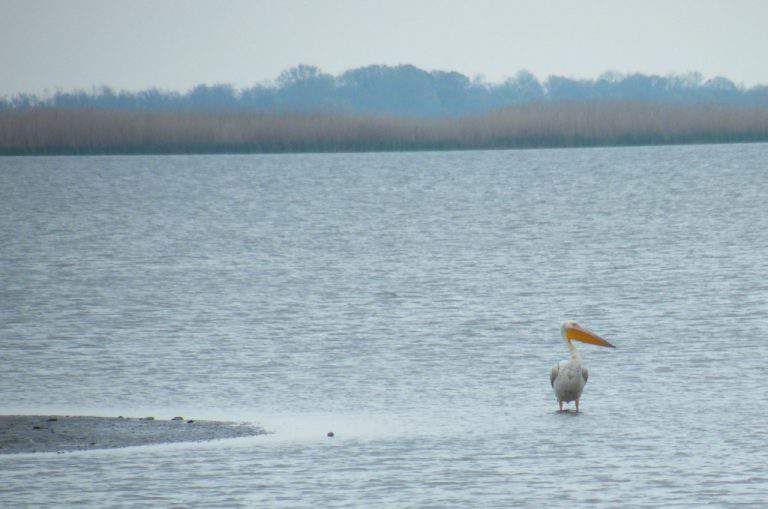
(112, 131)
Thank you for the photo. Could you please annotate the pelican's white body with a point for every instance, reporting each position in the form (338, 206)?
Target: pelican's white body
(568, 378)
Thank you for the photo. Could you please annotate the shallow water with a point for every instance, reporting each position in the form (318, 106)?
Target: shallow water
(410, 303)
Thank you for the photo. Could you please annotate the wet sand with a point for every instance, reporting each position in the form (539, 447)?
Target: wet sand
(56, 433)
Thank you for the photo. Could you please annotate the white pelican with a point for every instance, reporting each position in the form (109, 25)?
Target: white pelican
(568, 378)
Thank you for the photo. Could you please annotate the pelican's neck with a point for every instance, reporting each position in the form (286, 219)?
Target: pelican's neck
(575, 356)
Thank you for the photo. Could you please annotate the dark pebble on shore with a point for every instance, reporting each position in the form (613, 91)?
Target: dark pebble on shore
(330, 434)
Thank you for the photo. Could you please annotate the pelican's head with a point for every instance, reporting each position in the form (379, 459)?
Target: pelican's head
(574, 331)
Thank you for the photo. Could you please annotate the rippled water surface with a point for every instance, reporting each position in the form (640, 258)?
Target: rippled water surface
(408, 302)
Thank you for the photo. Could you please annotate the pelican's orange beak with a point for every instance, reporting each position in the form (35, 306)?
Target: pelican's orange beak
(576, 332)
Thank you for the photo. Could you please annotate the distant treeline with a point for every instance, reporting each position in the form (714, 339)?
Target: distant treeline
(405, 90)
(46, 130)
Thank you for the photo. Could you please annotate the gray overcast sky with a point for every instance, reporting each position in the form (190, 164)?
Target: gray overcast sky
(137, 44)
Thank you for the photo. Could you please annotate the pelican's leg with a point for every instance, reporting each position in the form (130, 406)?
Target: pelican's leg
(561, 405)
(577, 406)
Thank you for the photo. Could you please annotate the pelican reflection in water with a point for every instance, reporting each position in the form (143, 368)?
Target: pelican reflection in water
(568, 378)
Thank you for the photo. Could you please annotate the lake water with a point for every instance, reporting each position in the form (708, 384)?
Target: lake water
(409, 302)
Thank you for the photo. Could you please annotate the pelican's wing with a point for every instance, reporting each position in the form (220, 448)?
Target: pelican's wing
(585, 373)
(553, 374)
